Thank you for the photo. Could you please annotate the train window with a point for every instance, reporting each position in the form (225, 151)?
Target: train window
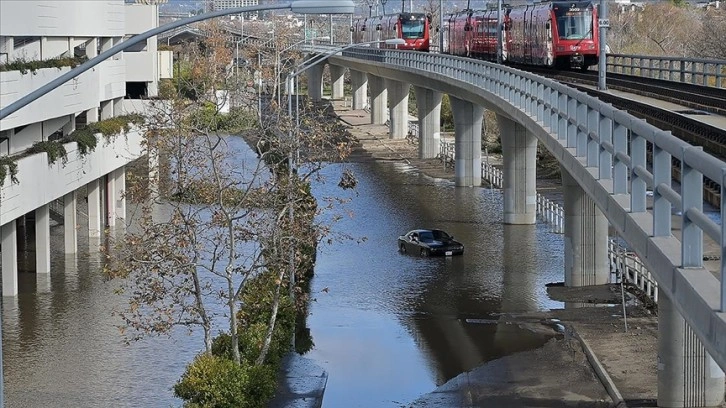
(574, 23)
(412, 28)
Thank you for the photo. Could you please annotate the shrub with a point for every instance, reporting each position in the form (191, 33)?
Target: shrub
(24, 66)
(8, 165)
(53, 148)
(211, 381)
(85, 138)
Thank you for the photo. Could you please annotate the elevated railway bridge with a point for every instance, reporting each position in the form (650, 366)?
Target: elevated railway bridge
(607, 180)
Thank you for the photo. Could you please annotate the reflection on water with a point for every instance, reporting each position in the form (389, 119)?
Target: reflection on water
(392, 327)
(389, 328)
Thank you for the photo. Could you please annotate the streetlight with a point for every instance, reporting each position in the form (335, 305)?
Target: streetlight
(296, 6)
(302, 67)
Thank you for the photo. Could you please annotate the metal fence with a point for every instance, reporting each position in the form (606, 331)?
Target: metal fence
(624, 263)
(690, 70)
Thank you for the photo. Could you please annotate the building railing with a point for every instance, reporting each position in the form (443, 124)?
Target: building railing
(689, 70)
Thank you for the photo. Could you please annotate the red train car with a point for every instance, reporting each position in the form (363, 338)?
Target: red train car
(552, 33)
(473, 33)
(414, 28)
(556, 33)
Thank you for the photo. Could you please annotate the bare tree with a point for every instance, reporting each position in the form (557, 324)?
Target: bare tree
(217, 220)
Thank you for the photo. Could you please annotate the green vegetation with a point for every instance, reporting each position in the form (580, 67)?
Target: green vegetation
(85, 138)
(8, 165)
(33, 66)
(209, 117)
(53, 148)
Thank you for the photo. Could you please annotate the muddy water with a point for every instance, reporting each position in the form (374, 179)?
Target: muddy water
(387, 327)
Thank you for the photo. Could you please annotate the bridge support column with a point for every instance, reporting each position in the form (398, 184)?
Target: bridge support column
(42, 239)
(315, 82)
(428, 104)
(359, 83)
(70, 235)
(337, 74)
(398, 92)
(379, 99)
(9, 242)
(687, 375)
(467, 127)
(519, 152)
(94, 209)
(586, 237)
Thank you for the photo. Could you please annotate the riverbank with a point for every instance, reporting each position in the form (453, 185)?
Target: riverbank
(619, 366)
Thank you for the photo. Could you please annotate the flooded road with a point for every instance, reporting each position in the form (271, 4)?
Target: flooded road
(387, 327)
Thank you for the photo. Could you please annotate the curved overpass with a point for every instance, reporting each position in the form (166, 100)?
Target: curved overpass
(604, 151)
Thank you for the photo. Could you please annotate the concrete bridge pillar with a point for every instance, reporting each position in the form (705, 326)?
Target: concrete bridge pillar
(467, 127)
(586, 237)
(359, 83)
(9, 243)
(519, 152)
(70, 234)
(315, 82)
(337, 75)
(42, 239)
(428, 104)
(379, 99)
(398, 93)
(687, 375)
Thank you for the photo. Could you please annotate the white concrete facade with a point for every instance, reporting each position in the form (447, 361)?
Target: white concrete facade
(32, 30)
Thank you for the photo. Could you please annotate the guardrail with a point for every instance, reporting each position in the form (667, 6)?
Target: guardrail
(628, 267)
(690, 70)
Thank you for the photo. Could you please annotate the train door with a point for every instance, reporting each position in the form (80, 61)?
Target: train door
(529, 43)
(549, 46)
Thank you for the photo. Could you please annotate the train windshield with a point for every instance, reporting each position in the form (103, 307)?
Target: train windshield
(574, 23)
(412, 28)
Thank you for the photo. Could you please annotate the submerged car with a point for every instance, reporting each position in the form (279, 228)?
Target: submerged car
(429, 242)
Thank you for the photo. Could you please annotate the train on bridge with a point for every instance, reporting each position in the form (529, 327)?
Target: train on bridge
(413, 28)
(556, 34)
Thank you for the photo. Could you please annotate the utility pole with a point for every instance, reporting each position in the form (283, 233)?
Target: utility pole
(500, 38)
(441, 26)
(602, 68)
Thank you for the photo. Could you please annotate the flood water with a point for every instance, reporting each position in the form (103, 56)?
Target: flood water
(390, 327)
(387, 327)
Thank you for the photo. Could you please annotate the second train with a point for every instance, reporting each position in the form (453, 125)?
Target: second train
(551, 33)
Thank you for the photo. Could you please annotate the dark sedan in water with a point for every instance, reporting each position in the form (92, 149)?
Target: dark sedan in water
(427, 242)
